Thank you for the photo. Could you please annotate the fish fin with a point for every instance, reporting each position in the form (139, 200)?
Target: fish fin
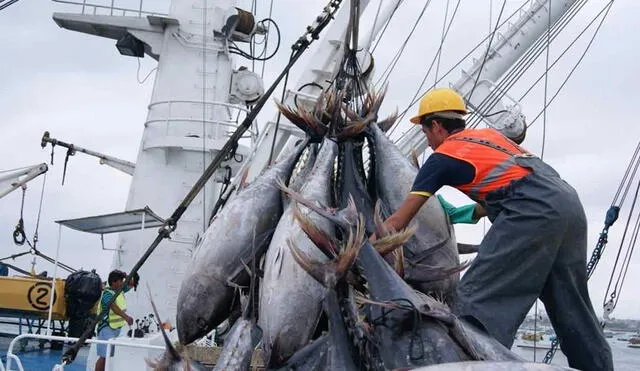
(381, 229)
(387, 244)
(414, 158)
(465, 248)
(344, 218)
(328, 274)
(172, 351)
(398, 265)
(304, 121)
(327, 244)
(421, 273)
(388, 123)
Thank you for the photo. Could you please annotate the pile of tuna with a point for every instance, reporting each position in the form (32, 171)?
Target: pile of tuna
(289, 266)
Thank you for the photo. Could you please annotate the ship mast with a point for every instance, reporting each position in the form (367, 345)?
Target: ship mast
(192, 112)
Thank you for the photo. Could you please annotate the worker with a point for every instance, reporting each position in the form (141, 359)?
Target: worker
(109, 327)
(537, 244)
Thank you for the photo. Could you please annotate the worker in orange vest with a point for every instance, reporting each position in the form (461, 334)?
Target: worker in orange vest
(537, 244)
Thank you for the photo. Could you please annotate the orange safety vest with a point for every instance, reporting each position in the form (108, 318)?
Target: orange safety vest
(492, 155)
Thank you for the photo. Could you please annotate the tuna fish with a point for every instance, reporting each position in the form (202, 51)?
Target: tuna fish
(207, 292)
(412, 329)
(434, 244)
(290, 300)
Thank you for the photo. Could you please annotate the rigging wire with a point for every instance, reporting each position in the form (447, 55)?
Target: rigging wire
(569, 46)
(7, 4)
(417, 96)
(204, 112)
(266, 39)
(426, 75)
(384, 29)
(546, 84)
(544, 138)
(444, 27)
(486, 54)
(608, 7)
(375, 22)
(35, 233)
(523, 64)
(394, 61)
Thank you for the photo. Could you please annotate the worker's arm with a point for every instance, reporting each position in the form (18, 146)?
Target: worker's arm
(116, 309)
(405, 213)
(479, 212)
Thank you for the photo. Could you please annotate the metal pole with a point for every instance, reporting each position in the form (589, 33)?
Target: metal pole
(53, 281)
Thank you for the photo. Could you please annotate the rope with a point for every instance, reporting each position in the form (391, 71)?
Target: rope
(35, 234)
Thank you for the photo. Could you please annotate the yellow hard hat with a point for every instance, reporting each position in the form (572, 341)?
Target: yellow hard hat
(438, 100)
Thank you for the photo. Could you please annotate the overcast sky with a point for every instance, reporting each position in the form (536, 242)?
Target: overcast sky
(80, 89)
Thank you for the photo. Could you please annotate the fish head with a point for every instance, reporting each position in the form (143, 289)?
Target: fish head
(203, 304)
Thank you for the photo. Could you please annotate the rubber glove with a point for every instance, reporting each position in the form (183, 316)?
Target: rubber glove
(458, 215)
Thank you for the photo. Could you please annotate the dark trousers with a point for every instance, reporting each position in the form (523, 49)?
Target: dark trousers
(536, 247)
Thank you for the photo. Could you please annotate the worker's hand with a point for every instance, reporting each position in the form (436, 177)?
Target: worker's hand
(129, 320)
(459, 215)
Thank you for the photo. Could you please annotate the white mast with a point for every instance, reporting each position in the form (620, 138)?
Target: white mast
(191, 94)
(504, 52)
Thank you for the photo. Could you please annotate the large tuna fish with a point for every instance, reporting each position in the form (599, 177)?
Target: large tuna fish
(207, 292)
(412, 329)
(290, 300)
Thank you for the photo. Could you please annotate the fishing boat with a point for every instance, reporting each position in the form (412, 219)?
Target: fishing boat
(208, 82)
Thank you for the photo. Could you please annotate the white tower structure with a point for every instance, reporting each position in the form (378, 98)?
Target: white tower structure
(190, 116)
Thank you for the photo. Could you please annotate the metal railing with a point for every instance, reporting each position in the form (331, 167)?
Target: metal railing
(232, 124)
(13, 357)
(108, 9)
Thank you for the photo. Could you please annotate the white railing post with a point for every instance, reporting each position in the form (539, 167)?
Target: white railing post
(53, 281)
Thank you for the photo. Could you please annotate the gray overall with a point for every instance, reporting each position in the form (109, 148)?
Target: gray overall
(536, 247)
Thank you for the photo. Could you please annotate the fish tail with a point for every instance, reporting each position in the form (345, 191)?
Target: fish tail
(387, 123)
(389, 243)
(388, 240)
(305, 121)
(420, 273)
(327, 244)
(172, 351)
(345, 218)
(330, 272)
